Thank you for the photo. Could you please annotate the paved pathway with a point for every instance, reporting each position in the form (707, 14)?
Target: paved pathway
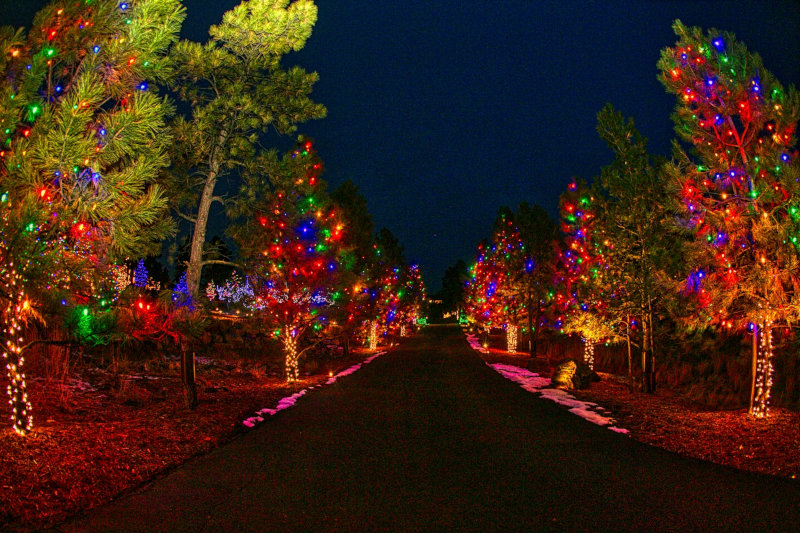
(428, 437)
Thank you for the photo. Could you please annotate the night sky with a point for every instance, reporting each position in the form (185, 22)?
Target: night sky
(443, 111)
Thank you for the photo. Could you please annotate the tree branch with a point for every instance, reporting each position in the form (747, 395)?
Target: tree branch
(193, 220)
(221, 262)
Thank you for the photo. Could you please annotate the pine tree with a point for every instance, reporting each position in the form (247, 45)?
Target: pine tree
(357, 262)
(583, 294)
(237, 91)
(85, 140)
(492, 294)
(534, 269)
(454, 282)
(290, 237)
(412, 299)
(740, 188)
(388, 279)
(637, 220)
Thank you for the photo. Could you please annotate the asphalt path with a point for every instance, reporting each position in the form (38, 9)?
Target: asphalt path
(429, 438)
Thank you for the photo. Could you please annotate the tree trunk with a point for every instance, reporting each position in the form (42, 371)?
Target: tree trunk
(290, 352)
(535, 332)
(645, 358)
(346, 345)
(21, 409)
(753, 370)
(187, 377)
(588, 352)
(764, 372)
(630, 357)
(195, 268)
(511, 338)
(651, 366)
(531, 339)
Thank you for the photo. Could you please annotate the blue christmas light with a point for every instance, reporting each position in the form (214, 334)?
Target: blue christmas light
(719, 44)
(529, 264)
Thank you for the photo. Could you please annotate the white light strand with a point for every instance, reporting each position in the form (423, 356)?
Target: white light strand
(588, 352)
(403, 331)
(511, 337)
(373, 335)
(21, 410)
(290, 350)
(764, 371)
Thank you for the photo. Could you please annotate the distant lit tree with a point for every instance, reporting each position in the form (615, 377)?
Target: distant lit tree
(583, 292)
(291, 241)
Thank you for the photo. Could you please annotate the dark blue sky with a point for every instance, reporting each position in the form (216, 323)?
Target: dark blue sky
(442, 111)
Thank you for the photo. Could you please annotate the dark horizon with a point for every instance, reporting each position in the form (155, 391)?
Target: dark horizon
(442, 113)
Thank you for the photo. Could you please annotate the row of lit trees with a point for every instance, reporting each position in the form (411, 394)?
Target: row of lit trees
(95, 159)
(707, 239)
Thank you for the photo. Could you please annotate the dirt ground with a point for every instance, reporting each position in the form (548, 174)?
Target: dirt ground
(99, 434)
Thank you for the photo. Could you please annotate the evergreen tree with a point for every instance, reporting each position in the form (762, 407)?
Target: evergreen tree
(85, 142)
(583, 293)
(412, 300)
(492, 299)
(534, 268)
(290, 237)
(480, 294)
(357, 261)
(637, 221)
(453, 287)
(388, 277)
(740, 188)
(237, 90)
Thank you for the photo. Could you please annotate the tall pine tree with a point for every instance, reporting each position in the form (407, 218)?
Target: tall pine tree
(237, 91)
(85, 141)
(740, 188)
(643, 247)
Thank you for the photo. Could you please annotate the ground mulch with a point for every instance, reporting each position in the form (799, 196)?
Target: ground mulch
(667, 420)
(91, 441)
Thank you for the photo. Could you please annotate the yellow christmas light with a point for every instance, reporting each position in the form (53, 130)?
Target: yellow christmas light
(511, 337)
(764, 371)
(588, 352)
(290, 349)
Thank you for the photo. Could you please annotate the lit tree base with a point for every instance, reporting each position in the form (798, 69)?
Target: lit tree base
(373, 336)
(292, 359)
(764, 372)
(588, 352)
(21, 410)
(511, 338)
